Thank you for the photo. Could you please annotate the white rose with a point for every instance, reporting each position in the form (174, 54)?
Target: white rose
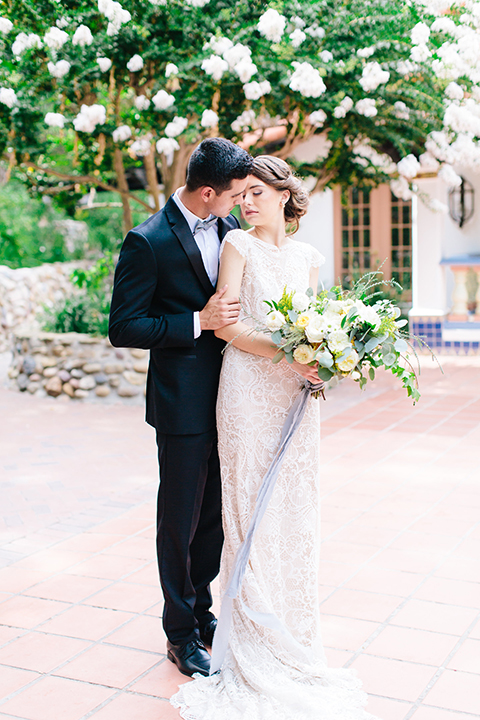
(82, 36)
(275, 320)
(369, 315)
(304, 354)
(332, 320)
(209, 119)
(300, 301)
(121, 133)
(349, 363)
(162, 100)
(337, 341)
(104, 63)
(55, 120)
(135, 63)
(316, 329)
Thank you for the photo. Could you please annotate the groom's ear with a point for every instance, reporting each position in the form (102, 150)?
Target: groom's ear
(207, 193)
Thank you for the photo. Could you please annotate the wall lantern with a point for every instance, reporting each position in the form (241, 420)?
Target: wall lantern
(461, 202)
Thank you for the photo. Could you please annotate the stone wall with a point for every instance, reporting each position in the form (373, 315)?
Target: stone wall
(76, 367)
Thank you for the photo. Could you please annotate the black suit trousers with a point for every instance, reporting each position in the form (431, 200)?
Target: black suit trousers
(189, 530)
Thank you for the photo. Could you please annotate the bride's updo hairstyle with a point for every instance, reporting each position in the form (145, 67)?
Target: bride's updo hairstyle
(276, 172)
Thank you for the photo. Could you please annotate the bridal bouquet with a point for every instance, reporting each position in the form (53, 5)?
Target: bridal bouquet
(343, 334)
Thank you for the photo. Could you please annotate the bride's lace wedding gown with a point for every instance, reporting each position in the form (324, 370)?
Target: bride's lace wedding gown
(271, 674)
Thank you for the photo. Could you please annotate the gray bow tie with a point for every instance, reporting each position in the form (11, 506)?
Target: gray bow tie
(204, 225)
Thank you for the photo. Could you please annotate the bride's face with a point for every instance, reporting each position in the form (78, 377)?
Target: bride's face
(261, 203)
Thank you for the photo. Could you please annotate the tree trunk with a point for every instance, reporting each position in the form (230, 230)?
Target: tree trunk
(123, 190)
(174, 176)
(151, 170)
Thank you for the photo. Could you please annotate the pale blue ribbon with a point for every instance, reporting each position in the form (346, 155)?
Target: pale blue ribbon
(222, 633)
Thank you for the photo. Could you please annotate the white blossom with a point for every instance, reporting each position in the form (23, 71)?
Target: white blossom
(404, 67)
(58, 69)
(460, 119)
(121, 133)
(82, 36)
(297, 37)
(454, 91)
(401, 111)
(176, 126)
(366, 107)
(89, 117)
(236, 53)
(114, 12)
(438, 144)
(317, 118)
(245, 69)
(142, 146)
(55, 38)
(167, 146)
(307, 80)
(25, 42)
(365, 52)
(326, 56)
(197, 3)
(135, 63)
(272, 25)
(420, 34)
(243, 121)
(255, 90)
(400, 188)
(345, 106)
(300, 301)
(366, 155)
(373, 76)
(55, 120)
(428, 163)
(209, 119)
(8, 97)
(219, 45)
(449, 176)
(437, 206)
(104, 63)
(171, 69)
(408, 166)
(62, 22)
(163, 100)
(5, 25)
(215, 66)
(444, 24)
(141, 102)
(298, 21)
(315, 31)
(420, 53)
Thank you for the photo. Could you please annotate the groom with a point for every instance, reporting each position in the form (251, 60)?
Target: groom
(164, 300)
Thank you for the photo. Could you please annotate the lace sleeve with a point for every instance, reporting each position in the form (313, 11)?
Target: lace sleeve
(239, 239)
(317, 259)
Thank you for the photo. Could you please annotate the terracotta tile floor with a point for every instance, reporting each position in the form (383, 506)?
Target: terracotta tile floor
(80, 635)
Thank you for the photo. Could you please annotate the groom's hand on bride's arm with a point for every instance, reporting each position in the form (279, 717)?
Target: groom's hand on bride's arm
(219, 311)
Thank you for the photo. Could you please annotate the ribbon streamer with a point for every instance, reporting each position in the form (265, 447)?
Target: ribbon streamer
(222, 633)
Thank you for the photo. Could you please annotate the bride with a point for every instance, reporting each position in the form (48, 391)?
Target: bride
(277, 672)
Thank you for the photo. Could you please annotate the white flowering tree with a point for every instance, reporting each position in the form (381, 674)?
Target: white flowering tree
(89, 89)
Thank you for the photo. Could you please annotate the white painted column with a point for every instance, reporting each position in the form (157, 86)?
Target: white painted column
(316, 228)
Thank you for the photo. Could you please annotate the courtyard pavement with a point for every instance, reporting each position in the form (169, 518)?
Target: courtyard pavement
(80, 635)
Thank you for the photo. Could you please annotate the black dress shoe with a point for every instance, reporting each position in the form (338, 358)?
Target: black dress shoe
(208, 631)
(190, 658)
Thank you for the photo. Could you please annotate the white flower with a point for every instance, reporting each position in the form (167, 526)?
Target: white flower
(171, 69)
(401, 188)
(420, 53)
(307, 80)
(167, 146)
(62, 22)
(408, 166)
(444, 24)
(209, 119)
(368, 314)
(163, 100)
(373, 76)
(89, 117)
(332, 320)
(244, 121)
(366, 107)
(428, 163)
(349, 363)
(420, 34)
(104, 63)
(271, 25)
(59, 69)
(297, 37)
(197, 3)
(454, 91)
(326, 56)
(114, 12)
(236, 53)
(25, 42)
(142, 146)
(316, 329)
(141, 102)
(437, 206)
(275, 320)
(8, 97)
(215, 66)
(461, 119)
(401, 111)
(121, 133)
(366, 154)
(365, 52)
(449, 176)
(219, 45)
(176, 126)
(337, 341)
(245, 69)
(300, 301)
(304, 354)
(55, 120)
(315, 31)
(55, 38)
(345, 106)
(135, 63)
(5, 25)
(256, 90)
(82, 36)
(317, 118)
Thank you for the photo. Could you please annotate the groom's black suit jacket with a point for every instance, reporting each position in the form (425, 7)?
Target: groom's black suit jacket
(160, 281)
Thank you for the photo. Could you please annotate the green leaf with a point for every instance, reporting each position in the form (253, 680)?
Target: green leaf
(289, 357)
(279, 356)
(389, 359)
(401, 345)
(324, 374)
(371, 373)
(292, 316)
(277, 337)
(371, 344)
(324, 359)
(309, 292)
(362, 382)
(359, 346)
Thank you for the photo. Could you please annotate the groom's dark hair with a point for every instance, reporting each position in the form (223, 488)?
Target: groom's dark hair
(215, 163)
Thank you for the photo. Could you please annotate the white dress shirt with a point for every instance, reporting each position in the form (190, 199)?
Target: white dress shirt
(208, 243)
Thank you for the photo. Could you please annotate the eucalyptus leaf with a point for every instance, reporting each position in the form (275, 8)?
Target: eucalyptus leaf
(309, 292)
(277, 337)
(359, 346)
(401, 345)
(325, 360)
(331, 295)
(324, 374)
(371, 344)
(289, 356)
(279, 356)
(389, 359)
(401, 323)
(292, 316)
(371, 373)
